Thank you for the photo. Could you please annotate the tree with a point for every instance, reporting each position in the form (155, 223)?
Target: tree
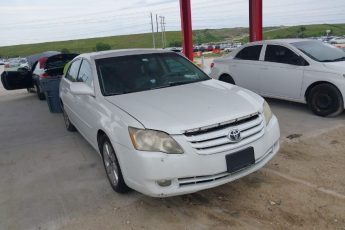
(65, 51)
(102, 46)
(300, 31)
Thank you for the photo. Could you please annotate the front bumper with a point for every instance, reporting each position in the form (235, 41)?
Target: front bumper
(190, 172)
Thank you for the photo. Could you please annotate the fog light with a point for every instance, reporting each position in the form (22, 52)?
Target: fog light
(164, 183)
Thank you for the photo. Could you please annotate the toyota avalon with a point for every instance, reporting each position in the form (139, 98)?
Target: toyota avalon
(161, 125)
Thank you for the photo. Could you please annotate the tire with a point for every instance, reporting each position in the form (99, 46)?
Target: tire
(227, 78)
(40, 95)
(325, 100)
(69, 126)
(30, 90)
(112, 166)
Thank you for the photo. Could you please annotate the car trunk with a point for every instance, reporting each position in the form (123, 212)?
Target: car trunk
(55, 64)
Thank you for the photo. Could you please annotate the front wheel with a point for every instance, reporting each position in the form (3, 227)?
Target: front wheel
(325, 100)
(112, 166)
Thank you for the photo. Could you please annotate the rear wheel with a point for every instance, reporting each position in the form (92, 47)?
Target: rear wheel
(40, 95)
(325, 100)
(112, 166)
(69, 126)
(227, 78)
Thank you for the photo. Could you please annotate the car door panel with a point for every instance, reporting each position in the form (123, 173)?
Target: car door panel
(279, 75)
(85, 104)
(245, 66)
(245, 74)
(12, 80)
(281, 80)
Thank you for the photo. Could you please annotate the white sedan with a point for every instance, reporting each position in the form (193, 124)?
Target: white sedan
(161, 125)
(305, 71)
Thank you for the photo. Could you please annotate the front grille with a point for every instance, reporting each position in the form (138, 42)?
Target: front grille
(214, 138)
(201, 179)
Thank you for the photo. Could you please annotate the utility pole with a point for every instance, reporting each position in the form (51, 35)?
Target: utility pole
(164, 34)
(157, 27)
(163, 45)
(153, 33)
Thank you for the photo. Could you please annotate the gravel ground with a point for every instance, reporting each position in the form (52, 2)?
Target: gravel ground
(302, 188)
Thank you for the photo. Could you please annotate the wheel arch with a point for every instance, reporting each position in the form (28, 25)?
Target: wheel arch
(226, 75)
(100, 133)
(311, 86)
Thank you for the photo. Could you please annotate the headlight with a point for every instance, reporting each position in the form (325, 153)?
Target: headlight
(153, 141)
(267, 112)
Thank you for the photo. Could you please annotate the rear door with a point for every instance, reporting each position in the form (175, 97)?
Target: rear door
(20, 79)
(245, 67)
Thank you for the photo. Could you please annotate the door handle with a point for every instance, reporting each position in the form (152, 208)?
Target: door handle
(264, 68)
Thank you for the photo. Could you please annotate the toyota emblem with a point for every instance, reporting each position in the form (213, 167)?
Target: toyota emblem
(235, 135)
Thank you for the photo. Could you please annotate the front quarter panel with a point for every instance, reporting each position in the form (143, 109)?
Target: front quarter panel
(312, 76)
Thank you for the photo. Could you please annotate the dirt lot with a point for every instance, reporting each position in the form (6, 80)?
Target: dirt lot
(53, 179)
(302, 188)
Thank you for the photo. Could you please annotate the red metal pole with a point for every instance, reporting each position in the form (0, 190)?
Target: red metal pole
(255, 20)
(186, 25)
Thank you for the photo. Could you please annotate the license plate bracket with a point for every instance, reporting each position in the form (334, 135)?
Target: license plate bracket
(240, 160)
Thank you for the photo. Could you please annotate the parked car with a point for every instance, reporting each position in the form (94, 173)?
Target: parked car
(210, 48)
(37, 67)
(161, 125)
(305, 71)
(337, 40)
(47, 67)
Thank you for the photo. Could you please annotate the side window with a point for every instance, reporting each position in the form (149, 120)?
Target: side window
(250, 53)
(73, 70)
(85, 74)
(281, 54)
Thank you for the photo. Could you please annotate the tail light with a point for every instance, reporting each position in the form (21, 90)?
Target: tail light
(44, 75)
(212, 65)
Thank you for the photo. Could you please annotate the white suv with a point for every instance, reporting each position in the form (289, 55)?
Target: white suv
(161, 125)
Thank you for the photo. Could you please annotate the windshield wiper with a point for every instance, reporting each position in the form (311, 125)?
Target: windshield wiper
(180, 83)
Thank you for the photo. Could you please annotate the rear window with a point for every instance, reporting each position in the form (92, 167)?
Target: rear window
(251, 53)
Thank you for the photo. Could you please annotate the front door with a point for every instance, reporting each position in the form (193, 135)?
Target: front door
(281, 74)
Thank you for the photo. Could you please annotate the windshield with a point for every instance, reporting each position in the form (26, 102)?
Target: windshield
(135, 73)
(320, 51)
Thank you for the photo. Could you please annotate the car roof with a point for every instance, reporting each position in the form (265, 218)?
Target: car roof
(281, 41)
(121, 52)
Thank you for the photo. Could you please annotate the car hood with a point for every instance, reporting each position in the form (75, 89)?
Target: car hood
(179, 108)
(338, 66)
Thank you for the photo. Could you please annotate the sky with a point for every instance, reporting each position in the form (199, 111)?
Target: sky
(34, 21)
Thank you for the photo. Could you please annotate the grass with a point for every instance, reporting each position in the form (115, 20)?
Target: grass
(145, 40)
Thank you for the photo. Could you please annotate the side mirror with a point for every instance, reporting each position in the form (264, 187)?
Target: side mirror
(80, 88)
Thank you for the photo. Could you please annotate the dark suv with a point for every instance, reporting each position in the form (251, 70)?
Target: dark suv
(44, 65)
